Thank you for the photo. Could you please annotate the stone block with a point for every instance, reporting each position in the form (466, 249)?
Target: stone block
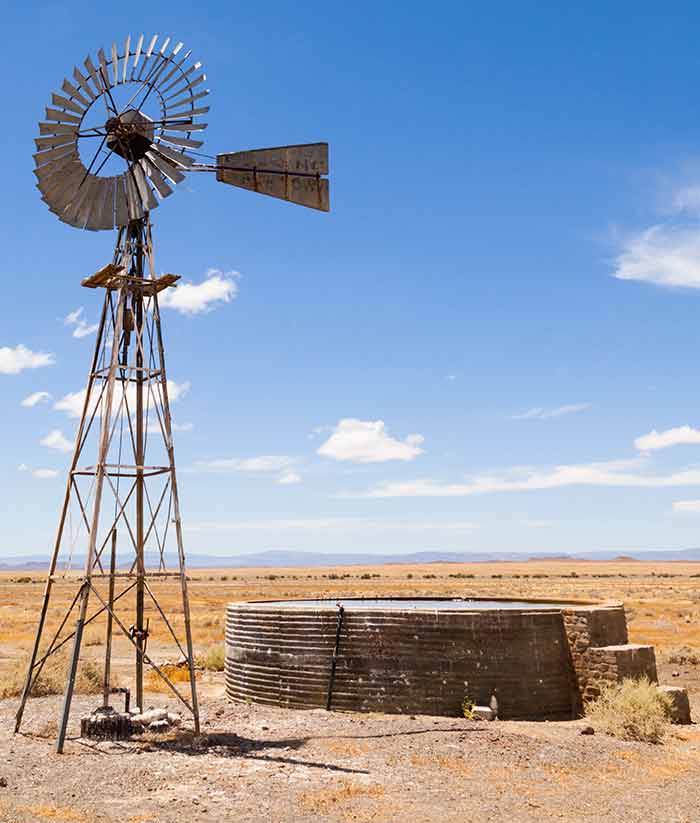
(680, 704)
(632, 660)
(482, 713)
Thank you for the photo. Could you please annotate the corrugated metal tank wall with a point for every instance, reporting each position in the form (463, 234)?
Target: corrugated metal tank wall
(393, 660)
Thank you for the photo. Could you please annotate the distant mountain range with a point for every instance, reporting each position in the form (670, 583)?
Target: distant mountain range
(287, 558)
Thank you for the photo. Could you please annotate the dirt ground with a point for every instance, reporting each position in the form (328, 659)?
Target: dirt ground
(261, 764)
(255, 763)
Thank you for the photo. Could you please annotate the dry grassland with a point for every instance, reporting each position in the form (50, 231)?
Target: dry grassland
(662, 599)
(262, 763)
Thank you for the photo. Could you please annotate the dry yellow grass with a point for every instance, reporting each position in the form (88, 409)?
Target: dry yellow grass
(662, 599)
(47, 812)
(52, 679)
(341, 800)
(631, 710)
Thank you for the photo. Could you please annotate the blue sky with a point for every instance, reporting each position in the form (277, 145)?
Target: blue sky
(471, 351)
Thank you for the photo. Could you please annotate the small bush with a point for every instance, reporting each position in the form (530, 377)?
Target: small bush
(176, 674)
(468, 708)
(53, 678)
(631, 710)
(213, 659)
(684, 656)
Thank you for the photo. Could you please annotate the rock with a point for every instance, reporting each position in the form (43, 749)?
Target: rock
(174, 719)
(3, 782)
(150, 716)
(159, 726)
(680, 704)
(219, 712)
(587, 730)
(675, 674)
(482, 713)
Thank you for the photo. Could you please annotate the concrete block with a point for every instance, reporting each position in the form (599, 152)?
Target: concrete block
(625, 660)
(680, 709)
(482, 713)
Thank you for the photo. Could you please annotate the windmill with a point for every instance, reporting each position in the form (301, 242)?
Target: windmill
(121, 134)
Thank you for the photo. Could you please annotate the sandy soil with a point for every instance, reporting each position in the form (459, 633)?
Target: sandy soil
(262, 764)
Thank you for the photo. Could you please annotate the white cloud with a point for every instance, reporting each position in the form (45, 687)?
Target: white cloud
(667, 255)
(176, 391)
(612, 474)
(539, 413)
(326, 524)
(681, 435)
(13, 361)
(85, 329)
(280, 465)
(686, 506)
(266, 463)
(32, 400)
(537, 524)
(55, 439)
(40, 474)
(72, 403)
(190, 298)
(80, 327)
(367, 441)
(44, 474)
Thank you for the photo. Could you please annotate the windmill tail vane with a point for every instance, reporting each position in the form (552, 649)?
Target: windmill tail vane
(123, 132)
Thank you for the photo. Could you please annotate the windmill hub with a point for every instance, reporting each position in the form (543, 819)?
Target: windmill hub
(130, 135)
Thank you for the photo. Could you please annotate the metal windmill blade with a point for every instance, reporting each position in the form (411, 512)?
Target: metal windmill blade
(85, 127)
(139, 104)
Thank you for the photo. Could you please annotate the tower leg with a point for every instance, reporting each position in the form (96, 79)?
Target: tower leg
(176, 499)
(61, 525)
(73, 669)
(108, 637)
(105, 438)
(140, 560)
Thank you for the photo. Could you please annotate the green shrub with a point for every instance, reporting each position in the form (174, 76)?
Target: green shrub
(213, 659)
(631, 710)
